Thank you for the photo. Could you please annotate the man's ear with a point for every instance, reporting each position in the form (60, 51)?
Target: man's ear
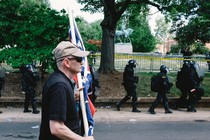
(66, 62)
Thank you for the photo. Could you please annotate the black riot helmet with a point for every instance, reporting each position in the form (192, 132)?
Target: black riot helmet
(186, 64)
(163, 68)
(132, 63)
(30, 68)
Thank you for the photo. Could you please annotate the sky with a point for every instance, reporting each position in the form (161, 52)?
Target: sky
(152, 17)
(73, 5)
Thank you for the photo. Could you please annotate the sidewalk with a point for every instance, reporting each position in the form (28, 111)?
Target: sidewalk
(106, 101)
(108, 114)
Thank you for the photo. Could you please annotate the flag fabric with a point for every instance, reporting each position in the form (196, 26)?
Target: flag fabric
(85, 76)
(92, 107)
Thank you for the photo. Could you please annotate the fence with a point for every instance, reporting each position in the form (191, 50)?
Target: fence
(151, 62)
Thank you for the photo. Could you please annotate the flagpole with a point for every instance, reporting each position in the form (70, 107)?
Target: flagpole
(73, 38)
(86, 61)
(82, 100)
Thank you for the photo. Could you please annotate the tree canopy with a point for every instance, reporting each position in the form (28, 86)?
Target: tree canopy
(30, 31)
(142, 38)
(194, 25)
(113, 10)
(28, 27)
(161, 30)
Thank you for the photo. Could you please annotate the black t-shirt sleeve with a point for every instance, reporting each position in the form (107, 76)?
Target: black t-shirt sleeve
(57, 108)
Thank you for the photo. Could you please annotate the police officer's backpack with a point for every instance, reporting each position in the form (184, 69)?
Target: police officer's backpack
(154, 83)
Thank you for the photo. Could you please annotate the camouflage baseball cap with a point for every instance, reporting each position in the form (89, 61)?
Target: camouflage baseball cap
(66, 48)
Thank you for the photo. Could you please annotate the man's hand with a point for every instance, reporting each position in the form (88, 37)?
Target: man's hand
(89, 138)
(76, 94)
(192, 90)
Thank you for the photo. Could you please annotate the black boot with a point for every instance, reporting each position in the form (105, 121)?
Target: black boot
(182, 101)
(35, 111)
(136, 110)
(191, 109)
(175, 107)
(152, 108)
(122, 102)
(151, 111)
(26, 104)
(167, 110)
(26, 110)
(191, 103)
(118, 106)
(134, 104)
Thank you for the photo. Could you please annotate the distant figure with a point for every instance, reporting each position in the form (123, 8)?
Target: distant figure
(29, 82)
(208, 60)
(95, 86)
(129, 83)
(164, 87)
(93, 57)
(188, 81)
(181, 84)
(2, 79)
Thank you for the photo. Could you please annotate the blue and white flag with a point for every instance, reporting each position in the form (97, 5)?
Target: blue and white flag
(85, 77)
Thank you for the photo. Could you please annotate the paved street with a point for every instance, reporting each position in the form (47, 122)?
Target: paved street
(122, 125)
(107, 114)
(152, 130)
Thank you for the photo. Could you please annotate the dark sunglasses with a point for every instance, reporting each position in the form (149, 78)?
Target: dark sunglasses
(78, 59)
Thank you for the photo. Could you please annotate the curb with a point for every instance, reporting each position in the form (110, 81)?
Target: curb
(106, 101)
(146, 101)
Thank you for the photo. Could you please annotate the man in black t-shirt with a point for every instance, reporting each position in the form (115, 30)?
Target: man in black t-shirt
(60, 118)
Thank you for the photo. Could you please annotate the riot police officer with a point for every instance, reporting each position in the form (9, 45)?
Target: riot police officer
(194, 90)
(188, 81)
(2, 79)
(208, 60)
(29, 81)
(129, 83)
(164, 87)
(182, 84)
(95, 86)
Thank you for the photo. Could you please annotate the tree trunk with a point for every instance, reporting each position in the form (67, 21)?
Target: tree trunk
(107, 51)
(112, 15)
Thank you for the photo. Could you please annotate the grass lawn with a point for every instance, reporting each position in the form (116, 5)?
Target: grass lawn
(143, 88)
